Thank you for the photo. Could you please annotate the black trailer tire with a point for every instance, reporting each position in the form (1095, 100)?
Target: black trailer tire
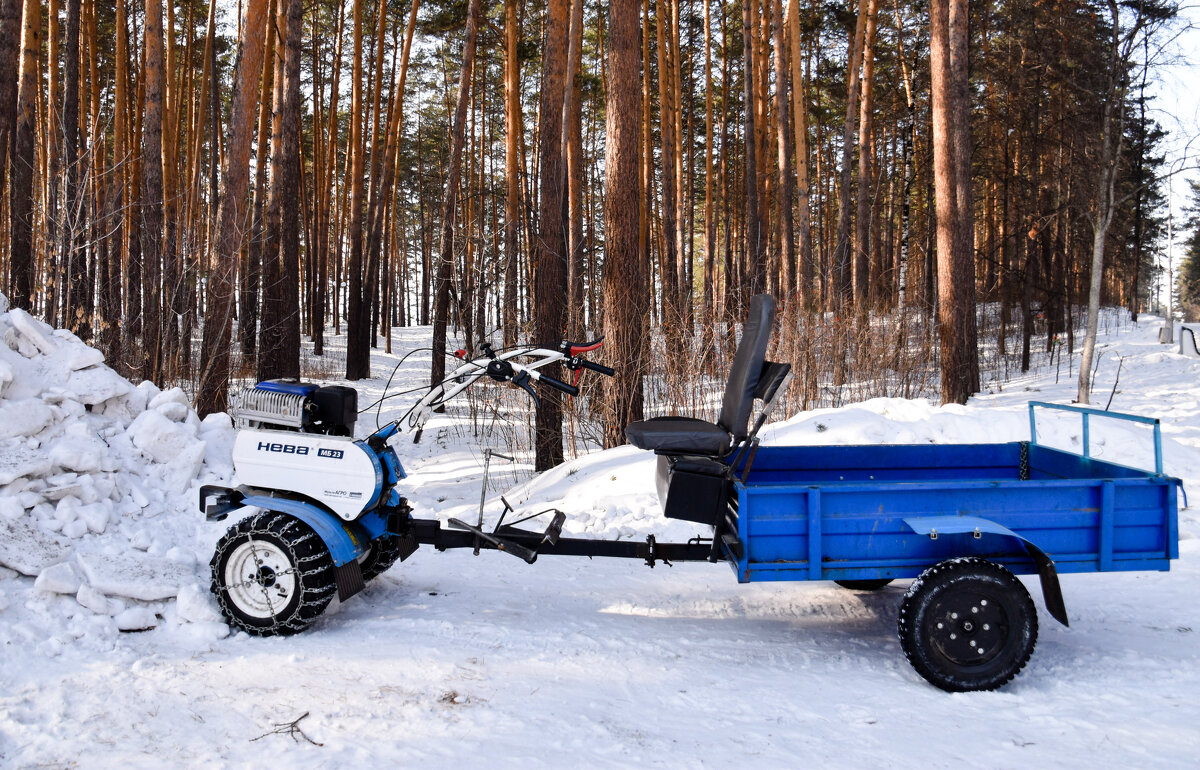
(967, 624)
(383, 553)
(875, 584)
(272, 575)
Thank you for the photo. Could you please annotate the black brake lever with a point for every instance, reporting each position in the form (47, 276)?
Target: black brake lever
(521, 380)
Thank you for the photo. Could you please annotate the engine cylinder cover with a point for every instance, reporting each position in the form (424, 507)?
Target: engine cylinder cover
(337, 472)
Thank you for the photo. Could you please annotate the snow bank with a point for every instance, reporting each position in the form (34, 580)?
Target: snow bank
(95, 476)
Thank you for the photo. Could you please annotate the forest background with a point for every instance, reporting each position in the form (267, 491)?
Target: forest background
(207, 192)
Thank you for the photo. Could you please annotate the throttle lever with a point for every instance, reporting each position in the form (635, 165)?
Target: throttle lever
(577, 363)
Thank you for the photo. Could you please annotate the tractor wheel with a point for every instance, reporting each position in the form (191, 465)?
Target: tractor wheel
(272, 575)
(384, 552)
(865, 585)
(967, 624)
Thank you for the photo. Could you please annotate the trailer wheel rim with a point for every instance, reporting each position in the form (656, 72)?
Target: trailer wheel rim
(260, 579)
(969, 628)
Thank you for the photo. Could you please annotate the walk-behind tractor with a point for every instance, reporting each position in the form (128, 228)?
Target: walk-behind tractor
(327, 513)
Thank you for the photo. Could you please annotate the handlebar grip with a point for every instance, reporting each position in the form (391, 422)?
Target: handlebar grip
(546, 379)
(601, 368)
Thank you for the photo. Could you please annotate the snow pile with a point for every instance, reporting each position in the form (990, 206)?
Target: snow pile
(93, 476)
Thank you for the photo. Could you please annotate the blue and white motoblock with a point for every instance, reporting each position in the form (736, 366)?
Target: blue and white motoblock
(329, 516)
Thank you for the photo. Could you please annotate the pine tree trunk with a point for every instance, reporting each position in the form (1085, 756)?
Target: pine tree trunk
(79, 310)
(783, 139)
(866, 172)
(21, 193)
(107, 267)
(279, 351)
(626, 286)
(377, 216)
(253, 260)
(10, 47)
(441, 311)
(965, 233)
(671, 247)
(804, 252)
(550, 278)
(171, 292)
(843, 255)
(956, 266)
(756, 238)
(152, 194)
(213, 392)
(358, 354)
(512, 168)
(125, 155)
(324, 195)
(708, 315)
(573, 141)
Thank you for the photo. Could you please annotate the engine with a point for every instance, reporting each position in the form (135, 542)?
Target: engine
(330, 410)
(296, 438)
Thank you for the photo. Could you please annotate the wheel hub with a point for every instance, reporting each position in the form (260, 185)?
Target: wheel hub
(969, 628)
(260, 578)
(265, 576)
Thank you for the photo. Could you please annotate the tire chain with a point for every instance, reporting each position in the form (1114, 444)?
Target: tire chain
(384, 553)
(305, 548)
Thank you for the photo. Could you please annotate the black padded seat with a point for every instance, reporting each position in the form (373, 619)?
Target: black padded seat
(679, 434)
(688, 435)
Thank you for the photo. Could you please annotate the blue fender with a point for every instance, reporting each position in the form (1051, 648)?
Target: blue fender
(346, 541)
(934, 526)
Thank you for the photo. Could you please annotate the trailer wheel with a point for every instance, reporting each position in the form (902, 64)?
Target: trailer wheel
(865, 585)
(383, 553)
(272, 575)
(967, 624)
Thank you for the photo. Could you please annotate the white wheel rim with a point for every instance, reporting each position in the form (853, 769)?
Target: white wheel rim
(260, 579)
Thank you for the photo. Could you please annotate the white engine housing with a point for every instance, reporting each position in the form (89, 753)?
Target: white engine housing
(337, 472)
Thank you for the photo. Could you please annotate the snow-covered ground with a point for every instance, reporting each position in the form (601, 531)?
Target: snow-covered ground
(114, 653)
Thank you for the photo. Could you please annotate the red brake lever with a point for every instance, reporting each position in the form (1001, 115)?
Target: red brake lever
(577, 349)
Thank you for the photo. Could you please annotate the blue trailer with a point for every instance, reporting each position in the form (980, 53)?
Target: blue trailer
(960, 520)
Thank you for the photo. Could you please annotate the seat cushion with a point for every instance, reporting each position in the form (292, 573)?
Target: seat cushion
(679, 435)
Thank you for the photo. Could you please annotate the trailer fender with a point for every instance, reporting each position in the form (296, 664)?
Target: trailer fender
(934, 526)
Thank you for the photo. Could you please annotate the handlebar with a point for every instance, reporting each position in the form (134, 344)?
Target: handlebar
(601, 368)
(557, 384)
(500, 365)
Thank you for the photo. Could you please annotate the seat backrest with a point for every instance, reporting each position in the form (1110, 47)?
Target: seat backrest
(747, 366)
